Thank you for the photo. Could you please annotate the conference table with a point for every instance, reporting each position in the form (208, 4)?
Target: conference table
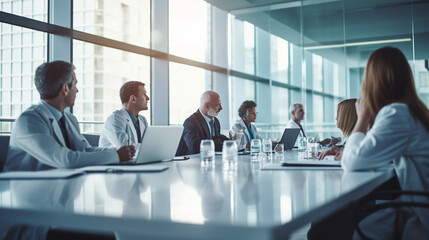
(187, 201)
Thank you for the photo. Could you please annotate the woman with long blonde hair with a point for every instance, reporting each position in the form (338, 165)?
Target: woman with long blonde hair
(346, 120)
(399, 134)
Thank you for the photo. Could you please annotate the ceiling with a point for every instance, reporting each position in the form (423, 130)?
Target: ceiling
(317, 23)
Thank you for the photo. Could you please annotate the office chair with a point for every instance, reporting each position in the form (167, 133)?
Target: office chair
(92, 139)
(394, 204)
(4, 147)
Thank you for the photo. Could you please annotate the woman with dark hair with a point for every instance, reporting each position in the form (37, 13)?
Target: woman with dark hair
(247, 113)
(399, 133)
(346, 120)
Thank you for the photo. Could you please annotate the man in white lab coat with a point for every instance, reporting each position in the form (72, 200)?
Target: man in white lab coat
(297, 115)
(126, 126)
(47, 136)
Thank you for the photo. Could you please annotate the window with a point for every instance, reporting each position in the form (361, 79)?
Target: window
(127, 21)
(243, 46)
(279, 59)
(100, 72)
(241, 90)
(22, 51)
(35, 9)
(186, 86)
(189, 30)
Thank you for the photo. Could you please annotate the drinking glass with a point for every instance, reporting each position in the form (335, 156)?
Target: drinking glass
(312, 150)
(267, 146)
(237, 136)
(229, 155)
(207, 152)
(255, 147)
(279, 149)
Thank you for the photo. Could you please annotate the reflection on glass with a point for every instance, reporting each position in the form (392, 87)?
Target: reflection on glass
(127, 21)
(186, 86)
(241, 90)
(35, 9)
(243, 46)
(189, 28)
(279, 105)
(100, 72)
(22, 51)
(279, 59)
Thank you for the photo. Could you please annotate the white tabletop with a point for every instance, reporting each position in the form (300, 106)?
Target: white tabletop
(187, 200)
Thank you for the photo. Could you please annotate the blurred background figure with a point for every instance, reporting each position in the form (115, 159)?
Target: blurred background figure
(346, 120)
(247, 113)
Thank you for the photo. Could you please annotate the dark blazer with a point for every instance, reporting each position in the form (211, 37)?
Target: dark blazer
(195, 129)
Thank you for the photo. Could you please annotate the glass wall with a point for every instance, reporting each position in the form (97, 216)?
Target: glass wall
(101, 71)
(186, 86)
(22, 51)
(309, 52)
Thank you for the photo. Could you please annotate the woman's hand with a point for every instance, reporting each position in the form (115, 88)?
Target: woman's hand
(363, 115)
(330, 151)
(338, 155)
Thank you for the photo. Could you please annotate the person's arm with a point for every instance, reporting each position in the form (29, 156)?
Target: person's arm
(386, 141)
(33, 134)
(191, 135)
(117, 131)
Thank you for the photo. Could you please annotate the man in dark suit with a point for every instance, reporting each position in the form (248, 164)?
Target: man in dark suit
(202, 124)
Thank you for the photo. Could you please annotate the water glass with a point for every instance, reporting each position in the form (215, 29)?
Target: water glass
(229, 155)
(313, 150)
(207, 152)
(267, 146)
(237, 136)
(255, 147)
(302, 143)
(279, 149)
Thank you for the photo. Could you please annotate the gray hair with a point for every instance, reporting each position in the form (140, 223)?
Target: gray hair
(206, 97)
(293, 107)
(51, 76)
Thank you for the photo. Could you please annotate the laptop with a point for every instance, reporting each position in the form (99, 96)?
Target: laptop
(159, 143)
(289, 137)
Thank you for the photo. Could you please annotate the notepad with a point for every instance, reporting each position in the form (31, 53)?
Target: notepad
(312, 163)
(47, 174)
(125, 168)
(304, 165)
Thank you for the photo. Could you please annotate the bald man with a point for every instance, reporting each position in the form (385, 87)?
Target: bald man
(202, 124)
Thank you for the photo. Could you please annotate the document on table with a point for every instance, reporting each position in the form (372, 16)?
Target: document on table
(306, 165)
(47, 174)
(125, 168)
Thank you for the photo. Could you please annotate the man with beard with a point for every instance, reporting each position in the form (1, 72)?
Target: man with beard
(202, 124)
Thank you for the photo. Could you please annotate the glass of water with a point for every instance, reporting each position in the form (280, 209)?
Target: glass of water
(266, 146)
(255, 147)
(229, 155)
(207, 152)
(279, 149)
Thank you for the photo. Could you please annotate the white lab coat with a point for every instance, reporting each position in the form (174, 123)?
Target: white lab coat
(119, 127)
(395, 137)
(240, 125)
(37, 143)
(293, 124)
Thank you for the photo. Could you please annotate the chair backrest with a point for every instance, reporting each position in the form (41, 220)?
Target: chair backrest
(4, 147)
(92, 139)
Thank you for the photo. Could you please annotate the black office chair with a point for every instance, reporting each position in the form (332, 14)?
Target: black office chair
(92, 139)
(393, 204)
(4, 147)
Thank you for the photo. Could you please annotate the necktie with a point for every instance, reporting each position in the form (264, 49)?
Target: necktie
(302, 130)
(212, 129)
(139, 134)
(62, 123)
